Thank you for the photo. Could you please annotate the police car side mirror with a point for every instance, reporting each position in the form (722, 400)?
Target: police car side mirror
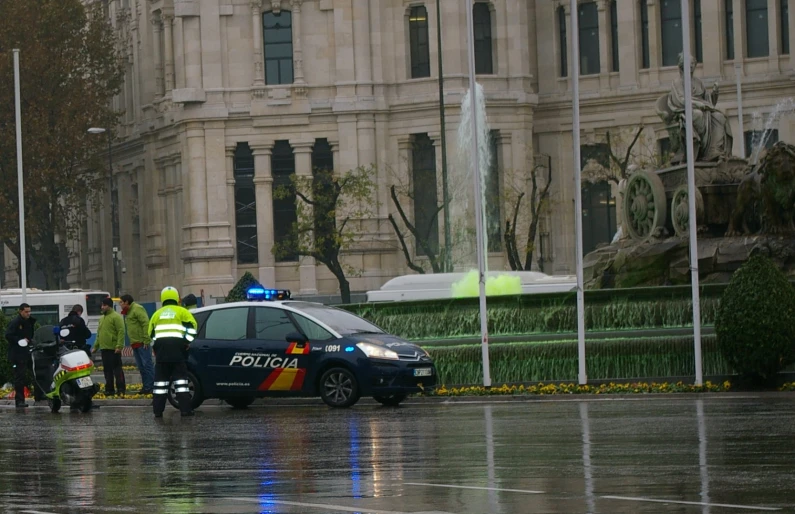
(295, 337)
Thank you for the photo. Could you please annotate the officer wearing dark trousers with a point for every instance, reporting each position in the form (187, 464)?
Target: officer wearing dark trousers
(172, 329)
(20, 329)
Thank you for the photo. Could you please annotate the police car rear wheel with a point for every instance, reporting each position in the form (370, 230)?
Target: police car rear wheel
(339, 388)
(392, 400)
(196, 397)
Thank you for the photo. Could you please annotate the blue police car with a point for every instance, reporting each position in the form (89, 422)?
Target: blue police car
(271, 345)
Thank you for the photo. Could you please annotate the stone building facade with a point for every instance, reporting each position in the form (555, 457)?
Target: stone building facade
(223, 99)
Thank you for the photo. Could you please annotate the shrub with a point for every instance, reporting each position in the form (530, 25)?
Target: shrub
(238, 293)
(755, 322)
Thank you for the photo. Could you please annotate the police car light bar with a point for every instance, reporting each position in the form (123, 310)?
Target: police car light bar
(262, 294)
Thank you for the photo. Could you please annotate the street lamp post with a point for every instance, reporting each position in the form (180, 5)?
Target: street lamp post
(113, 208)
(448, 240)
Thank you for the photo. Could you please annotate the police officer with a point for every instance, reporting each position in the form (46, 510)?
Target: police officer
(172, 329)
(79, 333)
(20, 330)
(190, 302)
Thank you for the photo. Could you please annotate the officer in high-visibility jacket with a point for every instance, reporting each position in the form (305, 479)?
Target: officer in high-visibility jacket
(172, 329)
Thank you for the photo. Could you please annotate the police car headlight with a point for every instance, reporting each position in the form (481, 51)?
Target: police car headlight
(377, 352)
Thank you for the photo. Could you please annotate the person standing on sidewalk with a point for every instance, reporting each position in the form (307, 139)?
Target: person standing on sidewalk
(21, 329)
(137, 321)
(110, 341)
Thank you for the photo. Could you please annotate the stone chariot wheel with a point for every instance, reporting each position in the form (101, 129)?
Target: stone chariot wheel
(644, 205)
(680, 210)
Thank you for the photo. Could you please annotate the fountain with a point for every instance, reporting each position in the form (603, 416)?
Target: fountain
(742, 205)
(463, 281)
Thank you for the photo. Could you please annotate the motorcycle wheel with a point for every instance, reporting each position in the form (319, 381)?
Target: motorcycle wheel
(85, 405)
(55, 404)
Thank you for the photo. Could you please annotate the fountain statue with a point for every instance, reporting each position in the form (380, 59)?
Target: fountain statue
(740, 203)
(711, 130)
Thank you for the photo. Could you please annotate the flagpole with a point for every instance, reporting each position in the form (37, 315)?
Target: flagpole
(575, 78)
(20, 184)
(691, 188)
(484, 327)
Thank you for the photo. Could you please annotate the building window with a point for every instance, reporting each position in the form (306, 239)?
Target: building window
(697, 30)
(323, 171)
(644, 34)
(753, 139)
(245, 205)
(483, 53)
(284, 211)
(598, 203)
(418, 42)
(424, 191)
(664, 150)
(564, 64)
(493, 202)
(784, 19)
(278, 42)
(756, 28)
(614, 34)
(589, 38)
(729, 8)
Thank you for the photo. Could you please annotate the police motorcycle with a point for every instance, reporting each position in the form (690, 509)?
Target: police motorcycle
(62, 370)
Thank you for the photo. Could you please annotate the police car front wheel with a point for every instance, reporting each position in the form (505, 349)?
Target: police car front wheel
(339, 388)
(196, 396)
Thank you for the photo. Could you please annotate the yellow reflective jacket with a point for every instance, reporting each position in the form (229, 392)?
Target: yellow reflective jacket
(172, 322)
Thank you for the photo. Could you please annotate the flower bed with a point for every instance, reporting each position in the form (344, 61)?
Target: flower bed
(564, 388)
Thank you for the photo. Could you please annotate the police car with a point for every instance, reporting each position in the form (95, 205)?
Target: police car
(271, 345)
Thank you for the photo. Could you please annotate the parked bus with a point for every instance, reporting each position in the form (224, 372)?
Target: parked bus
(49, 307)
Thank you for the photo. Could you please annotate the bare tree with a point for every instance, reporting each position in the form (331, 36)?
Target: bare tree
(539, 205)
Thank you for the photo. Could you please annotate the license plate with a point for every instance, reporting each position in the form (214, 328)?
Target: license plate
(84, 382)
(423, 372)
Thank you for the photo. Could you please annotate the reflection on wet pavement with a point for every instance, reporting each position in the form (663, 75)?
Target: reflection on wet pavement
(724, 454)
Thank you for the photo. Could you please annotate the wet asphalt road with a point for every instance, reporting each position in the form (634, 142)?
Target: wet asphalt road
(720, 454)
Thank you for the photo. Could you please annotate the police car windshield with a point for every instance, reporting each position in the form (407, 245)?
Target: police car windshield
(341, 321)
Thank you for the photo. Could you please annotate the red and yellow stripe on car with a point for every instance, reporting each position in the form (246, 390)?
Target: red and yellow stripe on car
(284, 379)
(294, 349)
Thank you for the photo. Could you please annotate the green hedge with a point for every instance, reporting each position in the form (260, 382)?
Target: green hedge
(606, 359)
(646, 308)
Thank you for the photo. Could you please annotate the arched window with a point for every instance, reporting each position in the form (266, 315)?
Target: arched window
(756, 31)
(284, 211)
(644, 34)
(589, 38)
(481, 15)
(426, 203)
(277, 29)
(245, 205)
(418, 42)
(564, 63)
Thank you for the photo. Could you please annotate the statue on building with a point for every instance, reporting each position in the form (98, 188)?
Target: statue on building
(712, 135)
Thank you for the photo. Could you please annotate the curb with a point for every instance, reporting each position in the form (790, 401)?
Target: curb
(442, 400)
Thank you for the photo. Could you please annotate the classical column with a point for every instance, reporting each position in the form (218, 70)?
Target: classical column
(168, 24)
(653, 10)
(263, 189)
(791, 26)
(712, 38)
(158, 56)
(362, 50)
(197, 186)
(303, 168)
(773, 34)
(738, 10)
(605, 52)
(628, 43)
(256, 21)
(298, 59)
(230, 201)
